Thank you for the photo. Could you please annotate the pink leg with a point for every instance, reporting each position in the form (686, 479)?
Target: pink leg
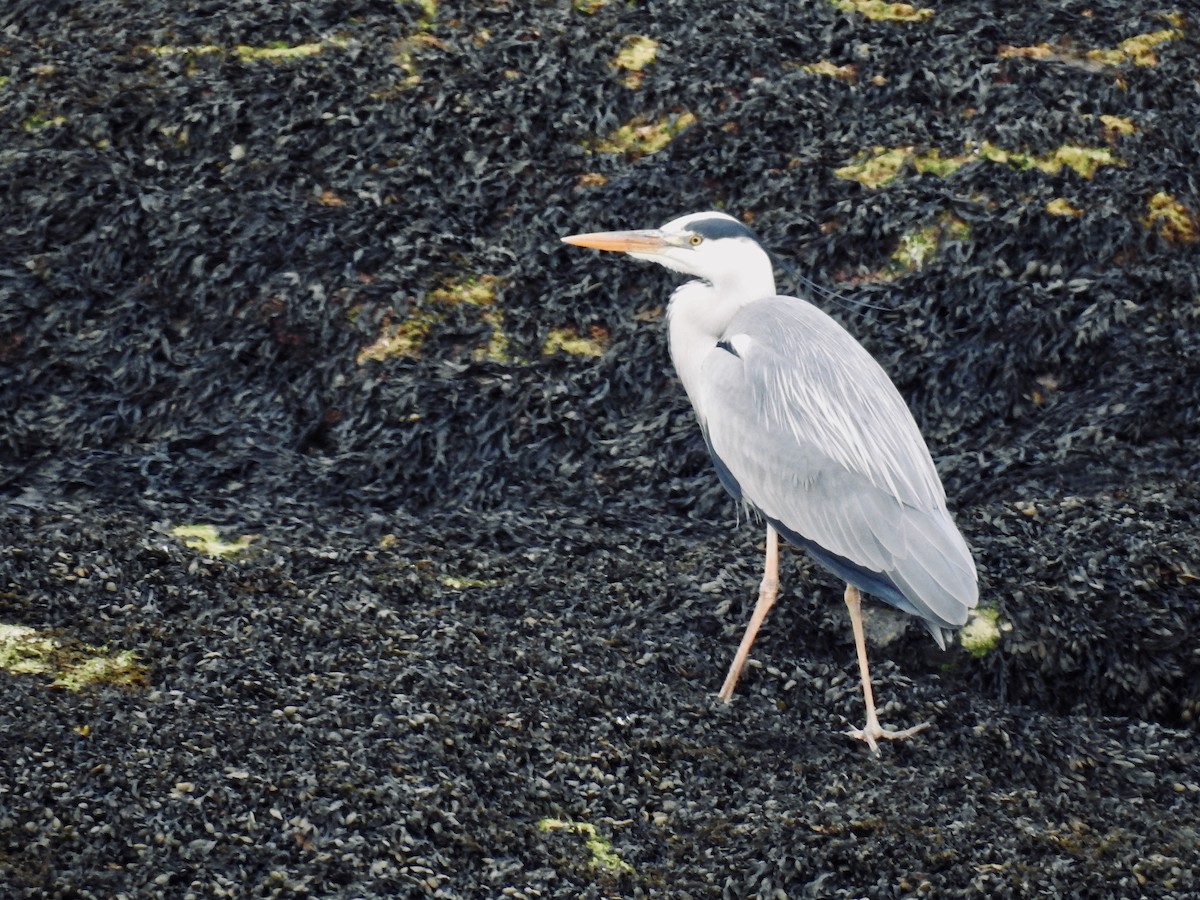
(767, 592)
(871, 731)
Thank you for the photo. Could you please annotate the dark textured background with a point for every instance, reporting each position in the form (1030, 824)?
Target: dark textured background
(486, 590)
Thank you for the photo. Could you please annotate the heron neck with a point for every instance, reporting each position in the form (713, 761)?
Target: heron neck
(697, 318)
(704, 309)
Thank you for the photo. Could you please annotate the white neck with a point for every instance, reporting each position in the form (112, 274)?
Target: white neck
(699, 314)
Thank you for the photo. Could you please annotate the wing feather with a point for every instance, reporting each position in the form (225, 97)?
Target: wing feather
(818, 438)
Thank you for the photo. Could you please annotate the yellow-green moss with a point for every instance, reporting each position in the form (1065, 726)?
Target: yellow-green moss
(207, 540)
(75, 666)
(1117, 125)
(601, 853)
(1174, 221)
(876, 167)
(462, 584)
(278, 50)
(23, 651)
(477, 290)
(981, 634)
(405, 339)
(428, 10)
(640, 137)
(496, 348)
(918, 248)
(881, 165)
(404, 58)
(37, 122)
(1138, 50)
(882, 11)
(1084, 161)
(1061, 207)
(121, 668)
(637, 52)
(408, 337)
(568, 340)
(192, 50)
(828, 69)
(275, 50)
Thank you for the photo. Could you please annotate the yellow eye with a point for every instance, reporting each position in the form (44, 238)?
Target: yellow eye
(696, 240)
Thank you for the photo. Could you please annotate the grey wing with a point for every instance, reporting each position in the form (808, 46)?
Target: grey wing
(817, 437)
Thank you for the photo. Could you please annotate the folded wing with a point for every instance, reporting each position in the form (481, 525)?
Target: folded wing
(805, 426)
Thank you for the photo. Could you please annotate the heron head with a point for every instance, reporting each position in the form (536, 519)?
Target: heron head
(712, 246)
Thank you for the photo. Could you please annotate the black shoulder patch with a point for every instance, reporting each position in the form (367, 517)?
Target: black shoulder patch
(729, 348)
(714, 229)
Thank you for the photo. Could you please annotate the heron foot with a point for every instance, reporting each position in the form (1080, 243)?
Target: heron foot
(873, 732)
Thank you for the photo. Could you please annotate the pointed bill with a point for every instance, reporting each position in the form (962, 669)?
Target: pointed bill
(619, 241)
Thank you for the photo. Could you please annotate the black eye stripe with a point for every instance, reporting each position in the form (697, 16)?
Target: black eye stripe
(715, 229)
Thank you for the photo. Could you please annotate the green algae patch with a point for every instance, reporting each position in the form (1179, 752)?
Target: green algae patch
(1117, 126)
(406, 338)
(37, 122)
(476, 290)
(1174, 221)
(1062, 207)
(981, 635)
(496, 349)
(881, 11)
(23, 651)
(637, 52)
(917, 249)
(876, 167)
(404, 58)
(1139, 50)
(281, 51)
(639, 137)
(189, 50)
(1083, 161)
(74, 665)
(880, 166)
(568, 340)
(400, 339)
(99, 667)
(600, 851)
(827, 69)
(275, 51)
(428, 11)
(463, 584)
(207, 540)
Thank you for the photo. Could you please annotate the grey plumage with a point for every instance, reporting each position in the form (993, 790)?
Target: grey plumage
(805, 427)
(822, 444)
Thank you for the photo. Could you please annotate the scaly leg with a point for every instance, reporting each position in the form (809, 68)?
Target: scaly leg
(767, 592)
(871, 731)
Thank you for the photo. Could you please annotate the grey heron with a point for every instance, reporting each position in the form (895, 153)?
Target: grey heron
(805, 427)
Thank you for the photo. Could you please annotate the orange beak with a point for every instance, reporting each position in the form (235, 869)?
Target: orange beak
(619, 241)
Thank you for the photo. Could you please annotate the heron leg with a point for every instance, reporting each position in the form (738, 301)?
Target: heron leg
(871, 731)
(767, 592)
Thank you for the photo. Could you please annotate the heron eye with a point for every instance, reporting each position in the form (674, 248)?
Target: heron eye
(696, 240)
